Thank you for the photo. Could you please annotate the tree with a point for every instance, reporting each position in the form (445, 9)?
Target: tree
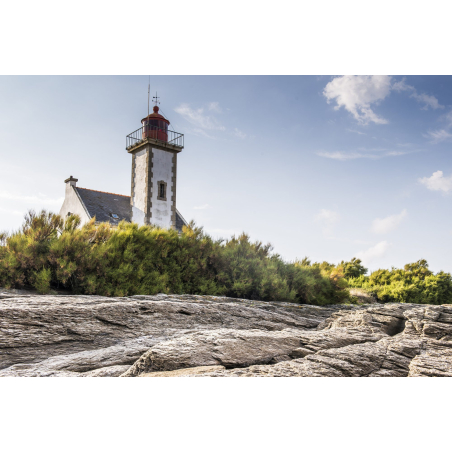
(353, 268)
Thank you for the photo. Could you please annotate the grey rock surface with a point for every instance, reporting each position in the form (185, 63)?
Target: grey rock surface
(123, 353)
(34, 328)
(197, 336)
(112, 371)
(242, 348)
(188, 372)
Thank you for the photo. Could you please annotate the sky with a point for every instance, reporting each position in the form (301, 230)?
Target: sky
(329, 167)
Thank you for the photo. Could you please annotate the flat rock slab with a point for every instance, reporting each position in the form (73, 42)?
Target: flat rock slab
(242, 348)
(193, 336)
(34, 328)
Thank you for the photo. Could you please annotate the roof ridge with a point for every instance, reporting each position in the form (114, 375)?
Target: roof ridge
(106, 192)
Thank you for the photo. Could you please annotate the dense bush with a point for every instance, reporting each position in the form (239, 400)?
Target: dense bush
(415, 283)
(48, 252)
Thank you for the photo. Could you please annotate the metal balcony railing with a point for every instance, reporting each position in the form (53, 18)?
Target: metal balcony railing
(155, 133)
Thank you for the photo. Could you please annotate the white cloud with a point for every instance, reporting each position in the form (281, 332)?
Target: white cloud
(427, 100)
(328, 218)
(437, 136)
(203, 207)
(356, 93)
(437, 182)
(198, 118)
(379, 250)
(239, 134)
(385, 225)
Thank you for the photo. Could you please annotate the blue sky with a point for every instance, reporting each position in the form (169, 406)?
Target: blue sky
(320, 166)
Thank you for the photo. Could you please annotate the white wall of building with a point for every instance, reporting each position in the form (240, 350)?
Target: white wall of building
(139, 179)
(73, 205)
(162, 169)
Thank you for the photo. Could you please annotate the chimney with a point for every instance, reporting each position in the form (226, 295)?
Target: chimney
(71, 181)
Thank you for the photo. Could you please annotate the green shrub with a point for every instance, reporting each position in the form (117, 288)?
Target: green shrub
(130, 259)
(48, 252)
(42, 280)
(415, 283)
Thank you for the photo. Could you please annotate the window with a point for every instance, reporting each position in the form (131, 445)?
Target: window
(115, 216)
(161, 190)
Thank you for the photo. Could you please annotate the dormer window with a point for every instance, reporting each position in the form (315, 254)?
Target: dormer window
(161, 190)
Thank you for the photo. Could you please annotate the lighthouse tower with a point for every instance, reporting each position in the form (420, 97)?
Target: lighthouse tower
(154, 151)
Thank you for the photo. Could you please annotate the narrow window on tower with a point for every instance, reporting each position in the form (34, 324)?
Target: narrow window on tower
(161, 190)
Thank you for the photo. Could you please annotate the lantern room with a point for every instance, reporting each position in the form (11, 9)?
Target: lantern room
(155, 126)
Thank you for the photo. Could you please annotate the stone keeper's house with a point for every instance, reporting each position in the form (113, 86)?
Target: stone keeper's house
(154, 151)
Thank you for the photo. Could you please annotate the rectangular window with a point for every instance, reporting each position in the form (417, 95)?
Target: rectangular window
(161, 190)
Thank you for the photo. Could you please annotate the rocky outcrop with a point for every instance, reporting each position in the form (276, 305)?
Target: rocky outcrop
(180, 336)
(33, 328)
(241, 348)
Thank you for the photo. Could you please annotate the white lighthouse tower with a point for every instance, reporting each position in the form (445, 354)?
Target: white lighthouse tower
(154, 151)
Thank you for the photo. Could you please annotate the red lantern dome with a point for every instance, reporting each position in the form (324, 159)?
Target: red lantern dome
(155, 126)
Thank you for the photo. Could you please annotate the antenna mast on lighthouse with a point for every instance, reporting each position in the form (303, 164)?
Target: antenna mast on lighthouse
(149, 92)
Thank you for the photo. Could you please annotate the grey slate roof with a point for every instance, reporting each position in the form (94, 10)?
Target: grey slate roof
(103, 205)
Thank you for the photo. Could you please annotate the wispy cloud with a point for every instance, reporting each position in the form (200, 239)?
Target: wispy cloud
(427, 100)
(385, 225)
(203, 207)
(239, 134)
(198, 118)
(439, 135)
(11, 212)
(374, 252)
(202, 133)
(437, 182)
(215, 106)
(436, 136)
(356, 131)
(41, 199)
(373, 154)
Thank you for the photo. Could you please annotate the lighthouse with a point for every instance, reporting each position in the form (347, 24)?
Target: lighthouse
(154, 149)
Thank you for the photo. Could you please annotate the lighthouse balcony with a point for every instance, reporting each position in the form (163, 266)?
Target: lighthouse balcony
(155, 135)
